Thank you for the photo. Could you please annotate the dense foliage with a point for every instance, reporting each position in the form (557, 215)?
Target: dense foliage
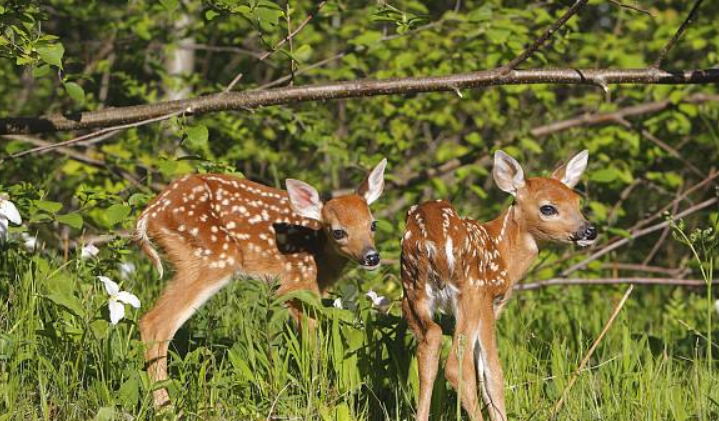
(61, 359)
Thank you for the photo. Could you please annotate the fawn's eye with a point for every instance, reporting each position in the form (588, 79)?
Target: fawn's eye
(373, 227)
(548, 210)
(339, 234)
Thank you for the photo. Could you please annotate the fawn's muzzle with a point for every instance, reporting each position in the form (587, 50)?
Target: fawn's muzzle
(370, 260)
(586, 236)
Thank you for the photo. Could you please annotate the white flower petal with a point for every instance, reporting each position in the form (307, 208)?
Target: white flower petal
(126, 269)
(117, 311)
(30, 241)
(89, 251)
(9, 211)
(716, 305)
(110, 286)
(377, 300)
(128, 298)
(3, 228)
(337, 303)
(372, 295)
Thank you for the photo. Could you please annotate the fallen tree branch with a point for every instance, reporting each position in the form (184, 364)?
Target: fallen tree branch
(611, 281)
(109, 117)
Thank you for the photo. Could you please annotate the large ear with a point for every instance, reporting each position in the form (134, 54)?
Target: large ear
(304, 199)
(571, 172)
(507, 173)
(371, 188)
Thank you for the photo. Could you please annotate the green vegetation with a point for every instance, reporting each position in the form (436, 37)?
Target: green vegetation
(240, 357)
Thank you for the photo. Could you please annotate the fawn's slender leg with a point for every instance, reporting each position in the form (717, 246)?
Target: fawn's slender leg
(429, 335)
(463, 342)
(490, 367)
(184, 294)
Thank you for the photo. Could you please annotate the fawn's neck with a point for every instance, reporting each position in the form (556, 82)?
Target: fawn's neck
(516, 245)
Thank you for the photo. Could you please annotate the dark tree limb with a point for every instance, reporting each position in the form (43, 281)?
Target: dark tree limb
(109, 117)
(673, 40)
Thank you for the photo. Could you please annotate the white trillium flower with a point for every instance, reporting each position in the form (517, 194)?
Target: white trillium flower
(337, 303)
(378, 301)
(716, 305)
(118, 299)
(127, 269)
(89, 251)
(8, 213)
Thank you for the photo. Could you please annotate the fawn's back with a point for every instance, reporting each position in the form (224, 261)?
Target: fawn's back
(227, 223)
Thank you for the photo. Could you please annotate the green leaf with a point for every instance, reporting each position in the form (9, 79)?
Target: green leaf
(41, 71)
(48, 206)
(67, 301)
(170, 5)
(106, 413)
(606, 175)
(52, 54)
(303, 53)
(116, 213)
(197, 137)
(129, 392)
(367, 38)
(73, 220)
(76, 92)
(211, 14)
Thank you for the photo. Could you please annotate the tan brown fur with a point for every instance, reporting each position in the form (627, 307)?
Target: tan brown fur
(215, 227)
(465, 268)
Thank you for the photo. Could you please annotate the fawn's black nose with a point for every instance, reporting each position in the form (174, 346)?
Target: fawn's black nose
(371, 259)
(590, 232)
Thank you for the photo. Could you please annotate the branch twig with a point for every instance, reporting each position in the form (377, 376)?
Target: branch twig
(673, 40)
(585, 360)
(93, 135)
(636, 234)
(279, 45)
(533, 286)
(539, 42)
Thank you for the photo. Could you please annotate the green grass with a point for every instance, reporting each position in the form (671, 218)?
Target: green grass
(241, 358)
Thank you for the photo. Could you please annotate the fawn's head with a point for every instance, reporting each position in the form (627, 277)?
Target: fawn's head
(549, 207)
(346, 220)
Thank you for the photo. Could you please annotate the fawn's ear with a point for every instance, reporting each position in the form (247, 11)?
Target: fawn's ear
(507, 173)
(571, 172)
(371, 188)
(304, 199)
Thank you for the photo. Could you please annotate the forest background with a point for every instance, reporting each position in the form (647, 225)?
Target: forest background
(633, 82)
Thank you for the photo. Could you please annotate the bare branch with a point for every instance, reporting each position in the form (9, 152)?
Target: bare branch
(636, 234)
(89, 136)
(611, 281)
(631, 7)
(279, 45)
(558, 405)
(351, 89)
(539, 42)
(673, 40)
(598, 119)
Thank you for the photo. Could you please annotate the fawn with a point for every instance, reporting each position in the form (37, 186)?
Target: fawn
(464, 268)
(215, 227)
